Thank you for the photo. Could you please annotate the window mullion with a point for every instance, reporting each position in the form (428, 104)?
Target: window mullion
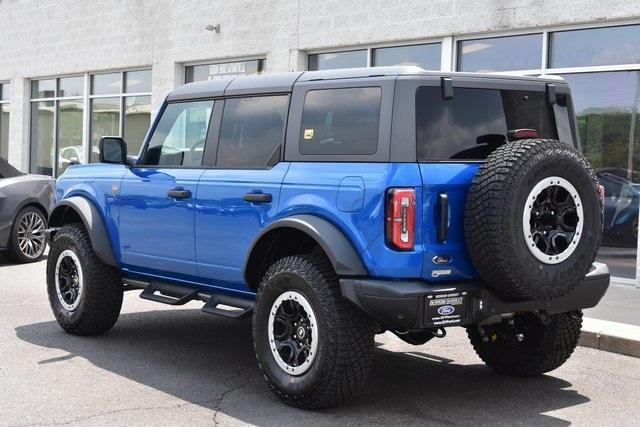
(447, 54)
(122, 101)
(86, 124)
(545, 51)
(54, 165)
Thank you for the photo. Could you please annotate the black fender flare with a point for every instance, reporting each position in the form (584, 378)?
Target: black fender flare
(93, 223)
(337, 247)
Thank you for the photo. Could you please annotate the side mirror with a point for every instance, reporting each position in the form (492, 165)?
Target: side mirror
(113, 149)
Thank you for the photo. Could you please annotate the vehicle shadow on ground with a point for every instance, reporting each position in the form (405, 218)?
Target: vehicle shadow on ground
(8, 262)
(210, 362)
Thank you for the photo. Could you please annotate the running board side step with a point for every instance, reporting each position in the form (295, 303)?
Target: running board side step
(243, 309)
(217, 304)
(168, 294)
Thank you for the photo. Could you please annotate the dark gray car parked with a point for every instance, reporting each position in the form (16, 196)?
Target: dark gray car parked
(25, 203)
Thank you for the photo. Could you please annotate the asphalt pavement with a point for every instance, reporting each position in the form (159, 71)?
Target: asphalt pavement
(177, 366)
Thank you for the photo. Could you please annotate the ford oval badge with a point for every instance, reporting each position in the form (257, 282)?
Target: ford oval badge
(446, 310)
(441, 259)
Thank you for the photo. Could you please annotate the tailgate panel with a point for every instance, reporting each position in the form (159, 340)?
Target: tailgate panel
(446, 260)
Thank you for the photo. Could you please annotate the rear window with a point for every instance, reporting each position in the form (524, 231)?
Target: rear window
(476, 121)
(341, 121)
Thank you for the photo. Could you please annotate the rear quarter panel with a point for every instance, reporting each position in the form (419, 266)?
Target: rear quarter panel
(315, 188)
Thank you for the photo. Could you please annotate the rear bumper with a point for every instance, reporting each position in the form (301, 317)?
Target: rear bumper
(404, 305)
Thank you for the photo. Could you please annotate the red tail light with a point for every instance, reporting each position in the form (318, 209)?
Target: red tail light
(400, 218)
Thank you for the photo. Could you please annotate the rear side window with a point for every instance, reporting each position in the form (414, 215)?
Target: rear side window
(476, 121)
(180, 136)
(341, 121)
(252, 131)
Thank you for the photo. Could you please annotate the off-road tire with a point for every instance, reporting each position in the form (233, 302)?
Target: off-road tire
(101, 298)
(13, 251)
(493, 219)
(544, 348)
(345, 347)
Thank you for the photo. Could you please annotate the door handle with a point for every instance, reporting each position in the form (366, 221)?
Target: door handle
(257, 198)
(443, 225)
(179, 193)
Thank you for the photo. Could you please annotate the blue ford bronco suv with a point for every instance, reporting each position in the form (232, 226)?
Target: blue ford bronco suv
(335, 205)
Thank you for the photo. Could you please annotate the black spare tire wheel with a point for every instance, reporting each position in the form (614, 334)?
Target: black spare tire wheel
(533, 219)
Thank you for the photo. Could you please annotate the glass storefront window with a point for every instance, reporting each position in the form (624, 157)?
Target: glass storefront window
(57, 116)
(4, 130)
(595, 46)
(5, 96)
(225, 70)
(106, 84)
(5, 91)
(426, 56)
(137, 115)
(104, 121)
(56, 124)
(71, 86)
(43, 88)
(137, 81)
(332, 60)
(42, 137)
(119, 114)
(69, 132)
(606, 105)
(509, 53)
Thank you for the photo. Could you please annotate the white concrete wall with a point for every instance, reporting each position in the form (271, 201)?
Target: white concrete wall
(41, 38)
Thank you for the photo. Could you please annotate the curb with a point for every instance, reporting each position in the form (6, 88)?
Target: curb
(610, 336)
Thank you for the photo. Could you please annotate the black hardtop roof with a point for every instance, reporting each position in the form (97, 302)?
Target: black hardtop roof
(283, 82)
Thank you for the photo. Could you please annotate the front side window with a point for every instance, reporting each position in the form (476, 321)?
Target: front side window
(341, 121)
(180, 136)
(252, 131)
(476, 121)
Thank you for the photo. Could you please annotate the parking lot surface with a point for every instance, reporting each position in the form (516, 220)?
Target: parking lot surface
(177, 366)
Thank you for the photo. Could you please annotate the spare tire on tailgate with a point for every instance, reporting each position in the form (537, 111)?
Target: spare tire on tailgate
(533, 219)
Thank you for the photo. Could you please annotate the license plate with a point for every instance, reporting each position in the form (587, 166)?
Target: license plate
(446, 309)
